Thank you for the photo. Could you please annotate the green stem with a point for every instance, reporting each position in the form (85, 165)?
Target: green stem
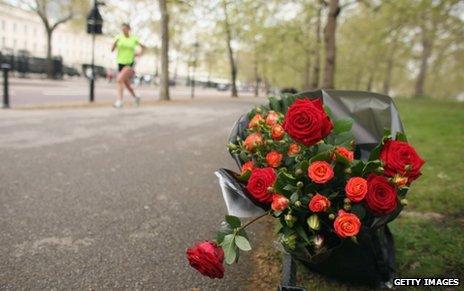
(251, 221)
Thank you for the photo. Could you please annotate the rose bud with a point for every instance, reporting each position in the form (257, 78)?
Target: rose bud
(289, 219)
(320, 172)
(270, 189)
(271, 118)
(346, 201)
(331, 216)
(299, 184)
(252, 141)
(277, 132)
(274, 158)
(298, 172)
(347, 224)
(279, 203)
(298, 203)
(248, 166)
(318, 241)
(344, 152)
(232, 146)
(400, 181)
(319, 203)
(293, 150)
(207, 258)
(404, 202)
(254, 122)
(313, 222)
(347, 207)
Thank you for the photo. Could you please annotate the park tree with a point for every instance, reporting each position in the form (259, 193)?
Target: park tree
(54, 13)
(164, 80)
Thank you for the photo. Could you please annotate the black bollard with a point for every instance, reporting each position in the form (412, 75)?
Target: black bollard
(6, 96)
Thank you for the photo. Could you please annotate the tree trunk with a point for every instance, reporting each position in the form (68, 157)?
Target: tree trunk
(425, 55)
(233, 66)
(370, 81)
(49, 33)
(317, 51)
(330, 45)
(255, 69)
(164, 82)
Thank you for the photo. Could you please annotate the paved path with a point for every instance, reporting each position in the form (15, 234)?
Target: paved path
(103, 198)
(42, 91)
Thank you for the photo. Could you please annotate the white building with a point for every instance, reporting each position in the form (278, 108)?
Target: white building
(22, 30)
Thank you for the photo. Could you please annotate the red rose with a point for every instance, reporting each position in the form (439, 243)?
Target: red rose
(277, 132)
(346, 153)
(271, 118)
(320, 172)
(252, 141)
(255, 121)
(402, 159)
(273, 159)
(248, 166)
(307, 122)
(207, 258)
(259, 181)
(319, 203)
(293, 150)
(356, 189)
(279, 203)
(381, 197)
(346, 224)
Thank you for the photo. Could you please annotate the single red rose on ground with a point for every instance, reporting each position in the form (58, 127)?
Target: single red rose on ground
(319, 203)
(279, 203)
(271, 118)
(401, 158)
(346, 224)
(277, 132)
(207, 258)
(307, 122)
(258, 118)
(293, 150)
(320, 172)
(248, 166)
(273, 159)
(381, 197)
(356, 189)
(258, 183)
(252, 141)
(346, 153)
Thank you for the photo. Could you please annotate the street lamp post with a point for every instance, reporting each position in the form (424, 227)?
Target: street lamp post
(194, 65)
(94, 27)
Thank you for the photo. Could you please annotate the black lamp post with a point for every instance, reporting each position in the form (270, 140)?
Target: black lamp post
(94, 27)
(196, 46)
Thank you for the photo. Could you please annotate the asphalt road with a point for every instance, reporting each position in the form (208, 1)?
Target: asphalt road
(102, 198)
(42, 91)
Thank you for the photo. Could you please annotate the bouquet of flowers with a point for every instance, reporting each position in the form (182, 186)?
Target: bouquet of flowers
(301, 166)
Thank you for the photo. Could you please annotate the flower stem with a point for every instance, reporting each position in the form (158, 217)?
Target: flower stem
(251, 221)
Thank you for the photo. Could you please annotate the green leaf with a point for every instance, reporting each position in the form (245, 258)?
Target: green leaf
(289, 187)
(359, 210)
(324, 156)
(371, 167)
(301, 232)
(233, 221)
(341, 159)
(242, 243)
(342, 125)
(375, 153)
(357, 169)
(401, 137)
(230, 251)
(323, 147)
(344, 139)
(274, 104)
(224, 229)
(294, 197)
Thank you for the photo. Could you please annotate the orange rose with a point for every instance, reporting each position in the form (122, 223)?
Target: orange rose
(273, 159)
(279, 203)
(277, 132)
(356, 189)
(346, 153)
(319, 203)
(346, 224)
(293, 150)
(255, 120)
(252, 141)
(400, 181)
(320, 172)
(248, 166)
(271, 118)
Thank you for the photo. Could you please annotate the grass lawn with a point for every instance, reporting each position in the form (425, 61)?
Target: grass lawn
(429, 236)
